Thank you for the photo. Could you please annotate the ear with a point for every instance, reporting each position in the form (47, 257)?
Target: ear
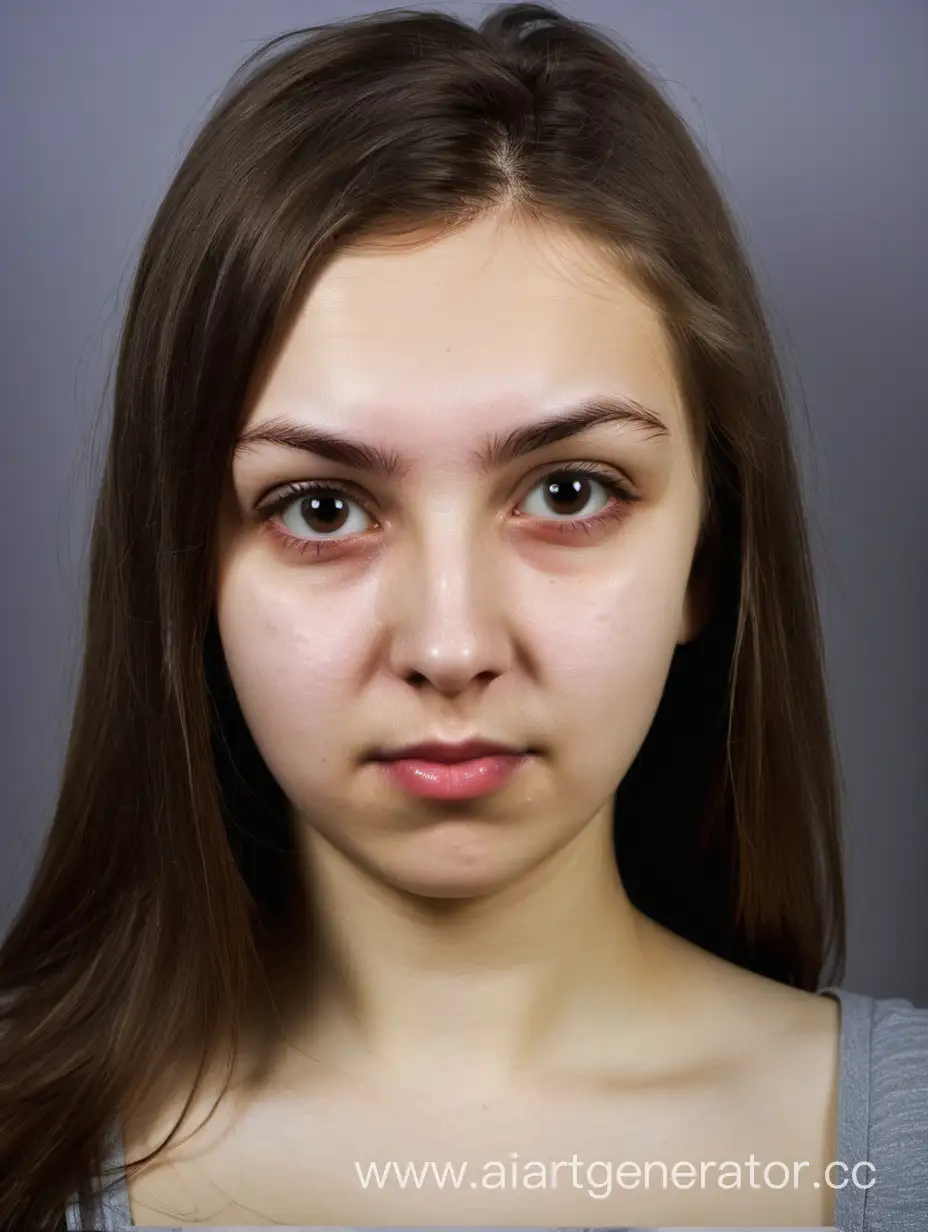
(700, 594)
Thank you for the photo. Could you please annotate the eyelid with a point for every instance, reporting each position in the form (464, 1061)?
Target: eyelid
(271, 499)
(606, 471)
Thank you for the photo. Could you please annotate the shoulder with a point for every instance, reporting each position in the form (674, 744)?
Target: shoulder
(899, 1082)
(893, 1072)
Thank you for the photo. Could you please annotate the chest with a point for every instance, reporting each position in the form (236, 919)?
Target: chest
(675, 1156)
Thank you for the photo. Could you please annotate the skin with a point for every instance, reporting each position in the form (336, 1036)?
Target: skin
(484, 984)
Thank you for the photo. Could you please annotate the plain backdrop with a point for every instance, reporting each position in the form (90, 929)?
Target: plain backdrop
(814, 118)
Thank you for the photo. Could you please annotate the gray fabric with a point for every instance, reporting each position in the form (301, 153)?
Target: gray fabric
(883, 1113)
(882, 1118)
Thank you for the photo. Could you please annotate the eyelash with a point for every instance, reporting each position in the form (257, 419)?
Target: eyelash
(267, 513)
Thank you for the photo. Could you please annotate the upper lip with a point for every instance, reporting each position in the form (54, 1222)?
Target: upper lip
(445, 751)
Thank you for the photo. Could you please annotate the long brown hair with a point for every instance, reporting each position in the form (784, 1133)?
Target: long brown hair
(167, 877)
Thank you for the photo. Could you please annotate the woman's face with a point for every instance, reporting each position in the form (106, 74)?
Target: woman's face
(461, 588)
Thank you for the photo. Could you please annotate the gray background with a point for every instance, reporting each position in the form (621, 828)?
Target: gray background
(814, 115)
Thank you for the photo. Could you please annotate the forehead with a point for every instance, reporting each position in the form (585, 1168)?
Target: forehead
(494, 321)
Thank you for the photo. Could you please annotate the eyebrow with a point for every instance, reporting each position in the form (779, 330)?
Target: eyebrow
(495, 451)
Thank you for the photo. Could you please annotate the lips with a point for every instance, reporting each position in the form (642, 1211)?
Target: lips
(445, 753)
(465, 779)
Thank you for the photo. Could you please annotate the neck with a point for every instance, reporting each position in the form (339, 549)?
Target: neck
(409, 988)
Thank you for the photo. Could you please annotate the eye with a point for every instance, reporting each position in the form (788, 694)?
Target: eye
(322, 511)
(577, 499)
(570, 492)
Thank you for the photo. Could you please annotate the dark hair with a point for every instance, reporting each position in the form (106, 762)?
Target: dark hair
(167, 881)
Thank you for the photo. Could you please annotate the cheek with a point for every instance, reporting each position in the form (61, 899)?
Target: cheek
(607, 645)
(293, 660)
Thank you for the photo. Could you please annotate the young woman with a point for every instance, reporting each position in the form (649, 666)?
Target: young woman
(451, 777)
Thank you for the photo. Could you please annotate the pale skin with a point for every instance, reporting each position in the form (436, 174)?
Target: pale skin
(485, 986)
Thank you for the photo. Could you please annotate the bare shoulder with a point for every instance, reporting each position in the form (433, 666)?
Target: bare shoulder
(176, 1186)
(749, 1019)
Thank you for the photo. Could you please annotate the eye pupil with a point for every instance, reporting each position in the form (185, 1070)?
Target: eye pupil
(571, 490)
(329, 510)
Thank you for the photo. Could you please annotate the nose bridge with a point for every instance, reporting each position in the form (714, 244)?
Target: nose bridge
(447, 611)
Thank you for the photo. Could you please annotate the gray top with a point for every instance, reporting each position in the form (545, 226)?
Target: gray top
(882, 1119)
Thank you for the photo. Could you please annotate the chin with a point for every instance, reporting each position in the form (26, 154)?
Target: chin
(455, 859)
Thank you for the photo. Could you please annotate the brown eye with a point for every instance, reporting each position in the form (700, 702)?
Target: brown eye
(322, 511)
(569, 494)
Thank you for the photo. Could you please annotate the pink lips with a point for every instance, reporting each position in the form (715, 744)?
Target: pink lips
(461, 780)
(462, 771)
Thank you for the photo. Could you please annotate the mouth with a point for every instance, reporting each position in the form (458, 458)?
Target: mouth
(442, 771)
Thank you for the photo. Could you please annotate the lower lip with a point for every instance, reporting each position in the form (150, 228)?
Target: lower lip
(462, 780)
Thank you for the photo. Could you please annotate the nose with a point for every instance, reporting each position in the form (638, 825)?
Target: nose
(447, 620)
